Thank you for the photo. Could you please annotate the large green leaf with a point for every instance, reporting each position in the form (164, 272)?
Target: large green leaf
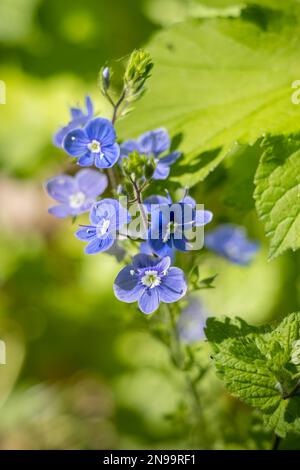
(277, 192)
(257, 366)
(216, 82)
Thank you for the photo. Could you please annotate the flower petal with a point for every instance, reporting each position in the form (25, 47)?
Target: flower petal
(189, 200)
(203, 218)
(91, 182)
(75, 143)
(129, 146)
(182, 244)
(161, 248)
(171, 158)
(89, 107)
(101, 129)
(61, 187)
(61, 211)
(126, 286)
(154, 142)
(149, 301)
(86, 160)
(173, 286)
(155, 201)
(99, 244)
(143, 261)
(161, 171)
(109, 157)
(86, 233)
(59, 136)
(164, 264)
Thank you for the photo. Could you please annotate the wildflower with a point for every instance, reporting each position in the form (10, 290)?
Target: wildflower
(149, 281)
(95, 144)
(231, 242)
(192, 321)
(153, 144)
(78, 119)
(107, 217)
(76, 194)
(171, 223)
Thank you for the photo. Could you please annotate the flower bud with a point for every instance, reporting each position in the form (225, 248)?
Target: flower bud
(104, 79)
(136, 73)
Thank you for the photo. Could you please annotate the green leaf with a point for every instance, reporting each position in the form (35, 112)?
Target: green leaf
(277, 192)
(216, 82)
(222, 328)
(255, 364)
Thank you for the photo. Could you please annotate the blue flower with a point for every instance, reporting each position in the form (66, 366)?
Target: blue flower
(149, 281)
(78, 119)
(231, 242)
(191, 322)
(153, 144)
(76, 194)
(107, 218)
(95, 144)
(171, 223)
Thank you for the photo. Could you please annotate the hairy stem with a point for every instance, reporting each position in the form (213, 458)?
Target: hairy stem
(139, 200)
(116, 106)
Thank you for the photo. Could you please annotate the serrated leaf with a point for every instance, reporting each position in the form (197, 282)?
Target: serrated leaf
(246, 374)
(256, 367)
(277, 192)
(219, 329)
(286, 417)
(216, 82)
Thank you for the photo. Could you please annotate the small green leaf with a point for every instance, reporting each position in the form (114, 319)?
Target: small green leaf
(277, 192)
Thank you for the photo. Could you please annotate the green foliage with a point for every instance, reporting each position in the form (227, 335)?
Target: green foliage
(277, 194)
(136, 74)
(137, 167)
(257, 367)
(219, 81)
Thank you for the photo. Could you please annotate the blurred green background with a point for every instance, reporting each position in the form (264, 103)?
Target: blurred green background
(83, 370)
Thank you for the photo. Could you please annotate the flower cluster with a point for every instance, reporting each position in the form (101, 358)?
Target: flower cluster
(130, 167)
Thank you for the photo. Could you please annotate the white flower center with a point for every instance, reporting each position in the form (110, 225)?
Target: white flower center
(103, 226)
(151, 279)
(76, 200)
(94, 146)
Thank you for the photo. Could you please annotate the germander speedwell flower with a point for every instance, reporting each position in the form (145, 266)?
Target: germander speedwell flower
(171, 223)
(153, 144)
(95, 144)
(78, 119)
(149, 281)
(231, 242)
(76, 194)
(107, 218)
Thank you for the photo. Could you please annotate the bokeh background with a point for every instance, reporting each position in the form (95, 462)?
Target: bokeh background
(83, 370)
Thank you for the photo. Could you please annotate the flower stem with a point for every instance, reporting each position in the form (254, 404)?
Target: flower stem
(178, 359)
(116, 106)
(139, 200)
